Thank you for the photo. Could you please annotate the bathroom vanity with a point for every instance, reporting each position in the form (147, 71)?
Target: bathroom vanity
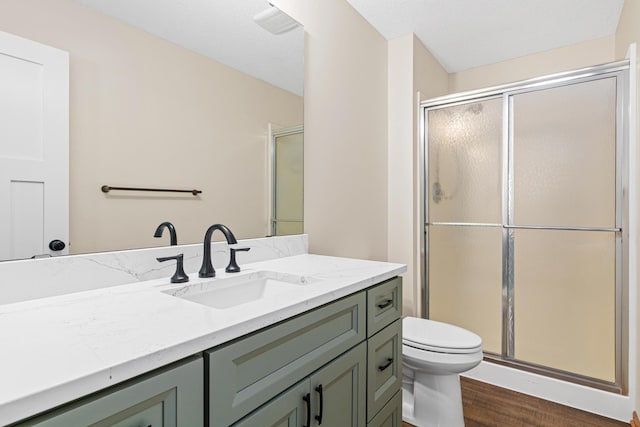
(298, 340)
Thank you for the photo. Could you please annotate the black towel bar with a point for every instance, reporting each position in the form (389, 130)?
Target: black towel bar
(107, 188)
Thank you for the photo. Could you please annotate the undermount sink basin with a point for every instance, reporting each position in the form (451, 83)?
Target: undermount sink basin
(233, 291)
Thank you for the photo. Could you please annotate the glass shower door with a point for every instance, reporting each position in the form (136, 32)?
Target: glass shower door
(465, 218)
(525, 241)
(288, 186)
(565, 230)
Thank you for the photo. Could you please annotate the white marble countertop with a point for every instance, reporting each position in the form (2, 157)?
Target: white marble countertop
(54, 350)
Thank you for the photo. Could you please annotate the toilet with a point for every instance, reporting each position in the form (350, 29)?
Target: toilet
(433, 356)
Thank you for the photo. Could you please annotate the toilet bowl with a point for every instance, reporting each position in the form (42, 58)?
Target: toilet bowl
(433, 356)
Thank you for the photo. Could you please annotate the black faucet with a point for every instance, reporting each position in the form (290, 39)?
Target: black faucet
(172, 232)
(207, 268)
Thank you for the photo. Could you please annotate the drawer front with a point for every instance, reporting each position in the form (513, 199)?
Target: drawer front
(170, 397)
(384, 304)
(390, 415)
(245, 374)
(384, 367)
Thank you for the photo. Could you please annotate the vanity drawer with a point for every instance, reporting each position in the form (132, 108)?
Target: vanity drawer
(247, 373)
(384, 304)
(384, 367)
(390, 415)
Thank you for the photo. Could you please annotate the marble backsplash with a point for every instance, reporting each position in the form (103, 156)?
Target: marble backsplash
(39, 278)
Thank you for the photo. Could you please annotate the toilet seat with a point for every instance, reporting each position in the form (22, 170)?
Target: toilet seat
(430, 335)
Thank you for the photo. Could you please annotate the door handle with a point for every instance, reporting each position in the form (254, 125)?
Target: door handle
(57, 245)
(307, 401)
(319, 416)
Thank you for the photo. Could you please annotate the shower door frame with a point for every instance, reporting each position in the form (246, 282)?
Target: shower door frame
(619, 70)
(273, 140)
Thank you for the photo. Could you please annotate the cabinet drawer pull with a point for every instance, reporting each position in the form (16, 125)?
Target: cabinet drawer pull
(307, 401)
(386, 303)
(319, 417)
(386, 365)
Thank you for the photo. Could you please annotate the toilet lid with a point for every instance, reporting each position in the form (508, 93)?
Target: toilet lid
(439, 337)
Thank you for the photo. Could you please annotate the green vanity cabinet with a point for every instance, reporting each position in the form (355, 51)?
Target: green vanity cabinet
(250, 371)
(342, 360)
(384, 305)
(168, 397)
(332, 396)
(338, 365)
(384, 376)
(287, 410)
(384, 349)
(390, 415)
(338, 391)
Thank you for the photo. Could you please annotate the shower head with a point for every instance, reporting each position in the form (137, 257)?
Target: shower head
(475, 108)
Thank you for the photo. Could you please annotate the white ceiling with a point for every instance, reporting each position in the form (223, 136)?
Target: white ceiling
(220, 29)
(463, 34)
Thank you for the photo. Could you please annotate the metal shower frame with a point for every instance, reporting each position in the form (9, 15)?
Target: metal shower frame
(619, 70)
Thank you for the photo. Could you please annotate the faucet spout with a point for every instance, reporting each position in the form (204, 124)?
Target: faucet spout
(172, 232)
(207, 269)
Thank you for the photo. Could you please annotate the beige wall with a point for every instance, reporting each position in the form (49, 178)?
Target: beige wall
(580, 55)
(401, 111)
(345, 204)
(629, 32)
(412, 69)
(430, 80)
(145, 112)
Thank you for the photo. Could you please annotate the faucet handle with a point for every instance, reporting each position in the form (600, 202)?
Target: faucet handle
(233, 265)
(179, 276)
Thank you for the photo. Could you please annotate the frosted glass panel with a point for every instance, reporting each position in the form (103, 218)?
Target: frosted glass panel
(288, 228)
(289, 183)
(465, 280)
(564, 155)
(564, 286)
(465, 163)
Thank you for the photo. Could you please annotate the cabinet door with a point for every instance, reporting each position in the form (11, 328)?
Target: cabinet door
(384, 374)
(171, 397)
(251, 371)
(338, 391)
(390, 415)
(290, 409)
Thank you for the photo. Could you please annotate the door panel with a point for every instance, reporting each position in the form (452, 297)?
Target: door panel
(565, 156)
(286, 410)
(34, 152)
(565, 300)
(465, 158)
(342, 399)
(465, 280)
(288, 191)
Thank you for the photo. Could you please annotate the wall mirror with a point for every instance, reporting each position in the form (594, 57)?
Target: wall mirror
(168, 94)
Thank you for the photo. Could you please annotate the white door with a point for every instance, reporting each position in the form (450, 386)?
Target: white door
(34, 149)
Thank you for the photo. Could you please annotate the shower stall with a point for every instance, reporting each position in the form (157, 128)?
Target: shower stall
(526, 222)
(287, 181)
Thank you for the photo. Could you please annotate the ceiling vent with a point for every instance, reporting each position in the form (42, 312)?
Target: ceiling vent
(275, 21)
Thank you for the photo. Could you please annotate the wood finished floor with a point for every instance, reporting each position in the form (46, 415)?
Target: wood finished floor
(489, 406)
